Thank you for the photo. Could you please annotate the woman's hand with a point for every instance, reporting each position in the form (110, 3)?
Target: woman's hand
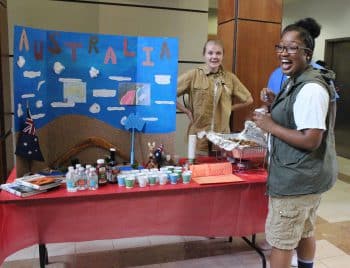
(264, 121)
(267, 96)
(307, 139)
(183, 109)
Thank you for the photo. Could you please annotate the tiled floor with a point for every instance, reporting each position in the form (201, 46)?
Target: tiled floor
(333, 244)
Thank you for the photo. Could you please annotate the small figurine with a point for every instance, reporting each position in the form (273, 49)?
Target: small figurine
(169, 161)
(158, 154)
(151, 162)
(151, 147)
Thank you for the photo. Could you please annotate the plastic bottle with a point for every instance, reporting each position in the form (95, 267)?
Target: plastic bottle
(87, 169)
(70, 180)
(82, 183)
(93, 179)
(77, 166)
(101, 172)
(111, 169)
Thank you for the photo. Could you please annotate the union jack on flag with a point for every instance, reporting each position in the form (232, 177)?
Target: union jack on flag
(29, 128)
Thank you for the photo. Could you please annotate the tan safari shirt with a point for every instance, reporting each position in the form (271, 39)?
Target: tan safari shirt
(210, 99)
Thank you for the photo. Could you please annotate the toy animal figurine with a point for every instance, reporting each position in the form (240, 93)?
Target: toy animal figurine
(151, 162)
(151, 147)
(158, 154)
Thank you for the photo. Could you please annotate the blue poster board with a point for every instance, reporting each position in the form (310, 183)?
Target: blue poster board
(106, 77)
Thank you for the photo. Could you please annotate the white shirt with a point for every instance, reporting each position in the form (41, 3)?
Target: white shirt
(311, 107)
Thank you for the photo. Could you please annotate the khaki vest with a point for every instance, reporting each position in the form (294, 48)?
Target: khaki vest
(294, 171)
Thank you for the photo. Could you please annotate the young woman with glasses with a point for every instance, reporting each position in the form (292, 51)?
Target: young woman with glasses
(302, 157)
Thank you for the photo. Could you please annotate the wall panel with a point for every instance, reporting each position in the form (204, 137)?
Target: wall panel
(227, 30)
(256, 28)
(262, 10)
(120, 20)
(256, 58)
(226, 10)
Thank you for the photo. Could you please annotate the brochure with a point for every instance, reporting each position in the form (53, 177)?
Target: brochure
(40, 182)
(20, 190)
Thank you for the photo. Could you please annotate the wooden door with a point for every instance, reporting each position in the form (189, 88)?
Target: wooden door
(337, 57)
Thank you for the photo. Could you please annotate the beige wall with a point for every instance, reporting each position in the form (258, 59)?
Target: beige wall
(334, 16)
(185, 19)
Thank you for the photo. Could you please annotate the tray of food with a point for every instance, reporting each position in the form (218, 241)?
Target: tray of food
(243, 149)
(249, 144)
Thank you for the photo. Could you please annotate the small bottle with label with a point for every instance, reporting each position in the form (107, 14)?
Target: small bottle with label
(112, 170)
(93, 179)
(70, 180)
(101, 172)
(82, 179)
(87, 168)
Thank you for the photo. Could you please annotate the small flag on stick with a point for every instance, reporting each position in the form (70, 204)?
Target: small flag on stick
(28, 143)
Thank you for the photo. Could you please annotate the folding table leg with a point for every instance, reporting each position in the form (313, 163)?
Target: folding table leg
(43, 255)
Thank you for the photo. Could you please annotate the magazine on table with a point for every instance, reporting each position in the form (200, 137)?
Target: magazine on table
(40, 182)
(19, 189)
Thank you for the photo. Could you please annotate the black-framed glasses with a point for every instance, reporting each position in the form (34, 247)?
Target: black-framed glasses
(289, 49)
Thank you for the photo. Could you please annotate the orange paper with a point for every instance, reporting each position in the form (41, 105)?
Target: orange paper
(212, 169)
(213, 173)
(217, 179)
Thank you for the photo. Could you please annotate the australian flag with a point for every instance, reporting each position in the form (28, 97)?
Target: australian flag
(28, 143)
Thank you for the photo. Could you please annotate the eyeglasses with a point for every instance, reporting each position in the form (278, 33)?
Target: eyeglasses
(289, 49)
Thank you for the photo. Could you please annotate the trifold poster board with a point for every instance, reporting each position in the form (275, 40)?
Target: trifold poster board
(74, 83)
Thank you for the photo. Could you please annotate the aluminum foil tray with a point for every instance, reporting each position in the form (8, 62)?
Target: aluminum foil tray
(244, 151)
(251, 152)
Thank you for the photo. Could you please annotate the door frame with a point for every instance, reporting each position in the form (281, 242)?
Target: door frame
(329, 49)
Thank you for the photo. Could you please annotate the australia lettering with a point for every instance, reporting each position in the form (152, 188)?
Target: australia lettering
(55, 47)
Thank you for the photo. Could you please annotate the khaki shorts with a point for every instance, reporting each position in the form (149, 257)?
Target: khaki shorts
(291, 218)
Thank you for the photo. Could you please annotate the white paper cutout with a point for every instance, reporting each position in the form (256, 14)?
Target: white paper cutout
(67, 104)
(109, 108)
(21, 61)
(95, 108)
(31, 74)
(27, 96)
(105, 93)
(162, 79)
(94, 72)
(165, 102)
(64, 80)
(19, 110)
(39, 104)
(119, 78)
(122, 121)
(39, 84)
(150, 118)
(37, 116)
(58, 67)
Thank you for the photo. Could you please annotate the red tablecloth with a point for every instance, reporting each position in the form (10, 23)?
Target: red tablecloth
(111, 212)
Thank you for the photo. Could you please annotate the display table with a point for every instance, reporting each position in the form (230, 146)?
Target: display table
(235, 209)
